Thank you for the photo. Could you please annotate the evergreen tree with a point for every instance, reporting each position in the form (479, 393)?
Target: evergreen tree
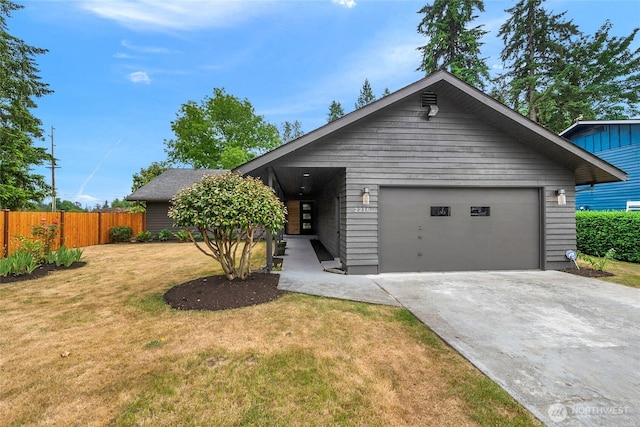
(19, 85)
(451, 45)
(599, 80)
(366, 95)
(290, 131)
(536, 44)
(335, 111)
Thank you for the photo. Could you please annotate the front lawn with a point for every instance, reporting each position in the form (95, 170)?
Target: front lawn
(98, 346)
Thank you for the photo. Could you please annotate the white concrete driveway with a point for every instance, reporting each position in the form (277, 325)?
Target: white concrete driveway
(566, 347)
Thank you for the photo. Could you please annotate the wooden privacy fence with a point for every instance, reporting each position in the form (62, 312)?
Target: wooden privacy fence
(76, 229)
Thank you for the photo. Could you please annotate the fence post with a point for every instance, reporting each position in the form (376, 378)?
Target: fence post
(5, 233)
(99, 228)
(61, 228)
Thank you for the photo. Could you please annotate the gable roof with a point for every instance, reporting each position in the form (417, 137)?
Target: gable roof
(588, 168)
(163, 187)
(582, 124)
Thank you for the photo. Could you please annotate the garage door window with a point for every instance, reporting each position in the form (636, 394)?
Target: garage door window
(480, 210)
(440, 211)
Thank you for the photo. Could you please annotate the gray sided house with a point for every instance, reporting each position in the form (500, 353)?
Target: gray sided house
(437, 176)
(158, 192)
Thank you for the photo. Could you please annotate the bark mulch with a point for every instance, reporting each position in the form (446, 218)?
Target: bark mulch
(41, 271)
(219, 293)
(587, 272)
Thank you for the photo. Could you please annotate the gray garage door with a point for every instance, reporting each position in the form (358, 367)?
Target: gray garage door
(449, 229)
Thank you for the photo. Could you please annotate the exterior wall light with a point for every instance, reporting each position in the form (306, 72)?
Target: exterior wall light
(365, 196)
(562, 197)
(432, 110)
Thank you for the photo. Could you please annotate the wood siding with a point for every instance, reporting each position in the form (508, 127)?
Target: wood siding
(157, 217)
(614, 195)
(399, 147)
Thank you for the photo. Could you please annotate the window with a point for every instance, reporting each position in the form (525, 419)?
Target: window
(480, 211)
(440, 211)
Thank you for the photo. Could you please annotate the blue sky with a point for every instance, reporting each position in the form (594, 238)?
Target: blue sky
(121, 69)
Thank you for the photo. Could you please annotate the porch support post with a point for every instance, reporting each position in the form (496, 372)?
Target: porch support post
(269, 235)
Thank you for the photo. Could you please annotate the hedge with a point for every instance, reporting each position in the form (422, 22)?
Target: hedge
(598, 231)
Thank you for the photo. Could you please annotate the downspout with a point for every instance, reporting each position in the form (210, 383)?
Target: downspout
(269, 235)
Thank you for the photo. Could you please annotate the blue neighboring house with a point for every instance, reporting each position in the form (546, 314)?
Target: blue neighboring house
(617, 142)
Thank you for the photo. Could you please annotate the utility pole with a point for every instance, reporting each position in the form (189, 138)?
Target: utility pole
(53, 174)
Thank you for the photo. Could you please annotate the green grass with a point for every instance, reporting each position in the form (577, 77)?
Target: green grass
(624, 273)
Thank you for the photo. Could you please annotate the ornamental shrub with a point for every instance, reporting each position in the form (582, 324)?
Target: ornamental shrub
(120, 233)
(597, 232)
(144, 236)
(230, 213)
(46, 233)
(164, 235)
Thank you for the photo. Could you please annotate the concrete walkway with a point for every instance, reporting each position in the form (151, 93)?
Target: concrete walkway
(566, 347)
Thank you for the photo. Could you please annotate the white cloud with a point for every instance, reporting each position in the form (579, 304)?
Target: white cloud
(139, 77)
(121, 55)
(346, 3)
(85, 198)
(146, 49)
(162, 15)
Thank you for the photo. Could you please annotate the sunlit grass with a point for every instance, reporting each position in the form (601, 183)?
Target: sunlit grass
(624, 273)
(98, 346)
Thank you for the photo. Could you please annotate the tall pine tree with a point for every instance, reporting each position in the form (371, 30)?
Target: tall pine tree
(599, 80)
(335, 111)
(19, 128)
(366, 95)
(452, 45)
(536, 43)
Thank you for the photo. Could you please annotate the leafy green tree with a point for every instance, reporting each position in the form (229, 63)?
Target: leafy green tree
(536, 44)
(147, 174)
(61, 205)
(220, 132)
(68, 206)
(290, 131)
(335, 111)
(20, 84)
(600, 79)
(123, 204)
(366, 95)
(230, 213)
(452, 45)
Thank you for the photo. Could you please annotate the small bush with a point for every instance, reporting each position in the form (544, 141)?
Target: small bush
(46, 233)
(120, 234)
(182, 236)
(599, 263)
(31, 246)
(164, 235)
(144, 236)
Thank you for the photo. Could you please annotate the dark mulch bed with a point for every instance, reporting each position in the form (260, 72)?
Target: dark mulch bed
(41, 271)
(587, 272)
(321, 252)
(219, 293)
